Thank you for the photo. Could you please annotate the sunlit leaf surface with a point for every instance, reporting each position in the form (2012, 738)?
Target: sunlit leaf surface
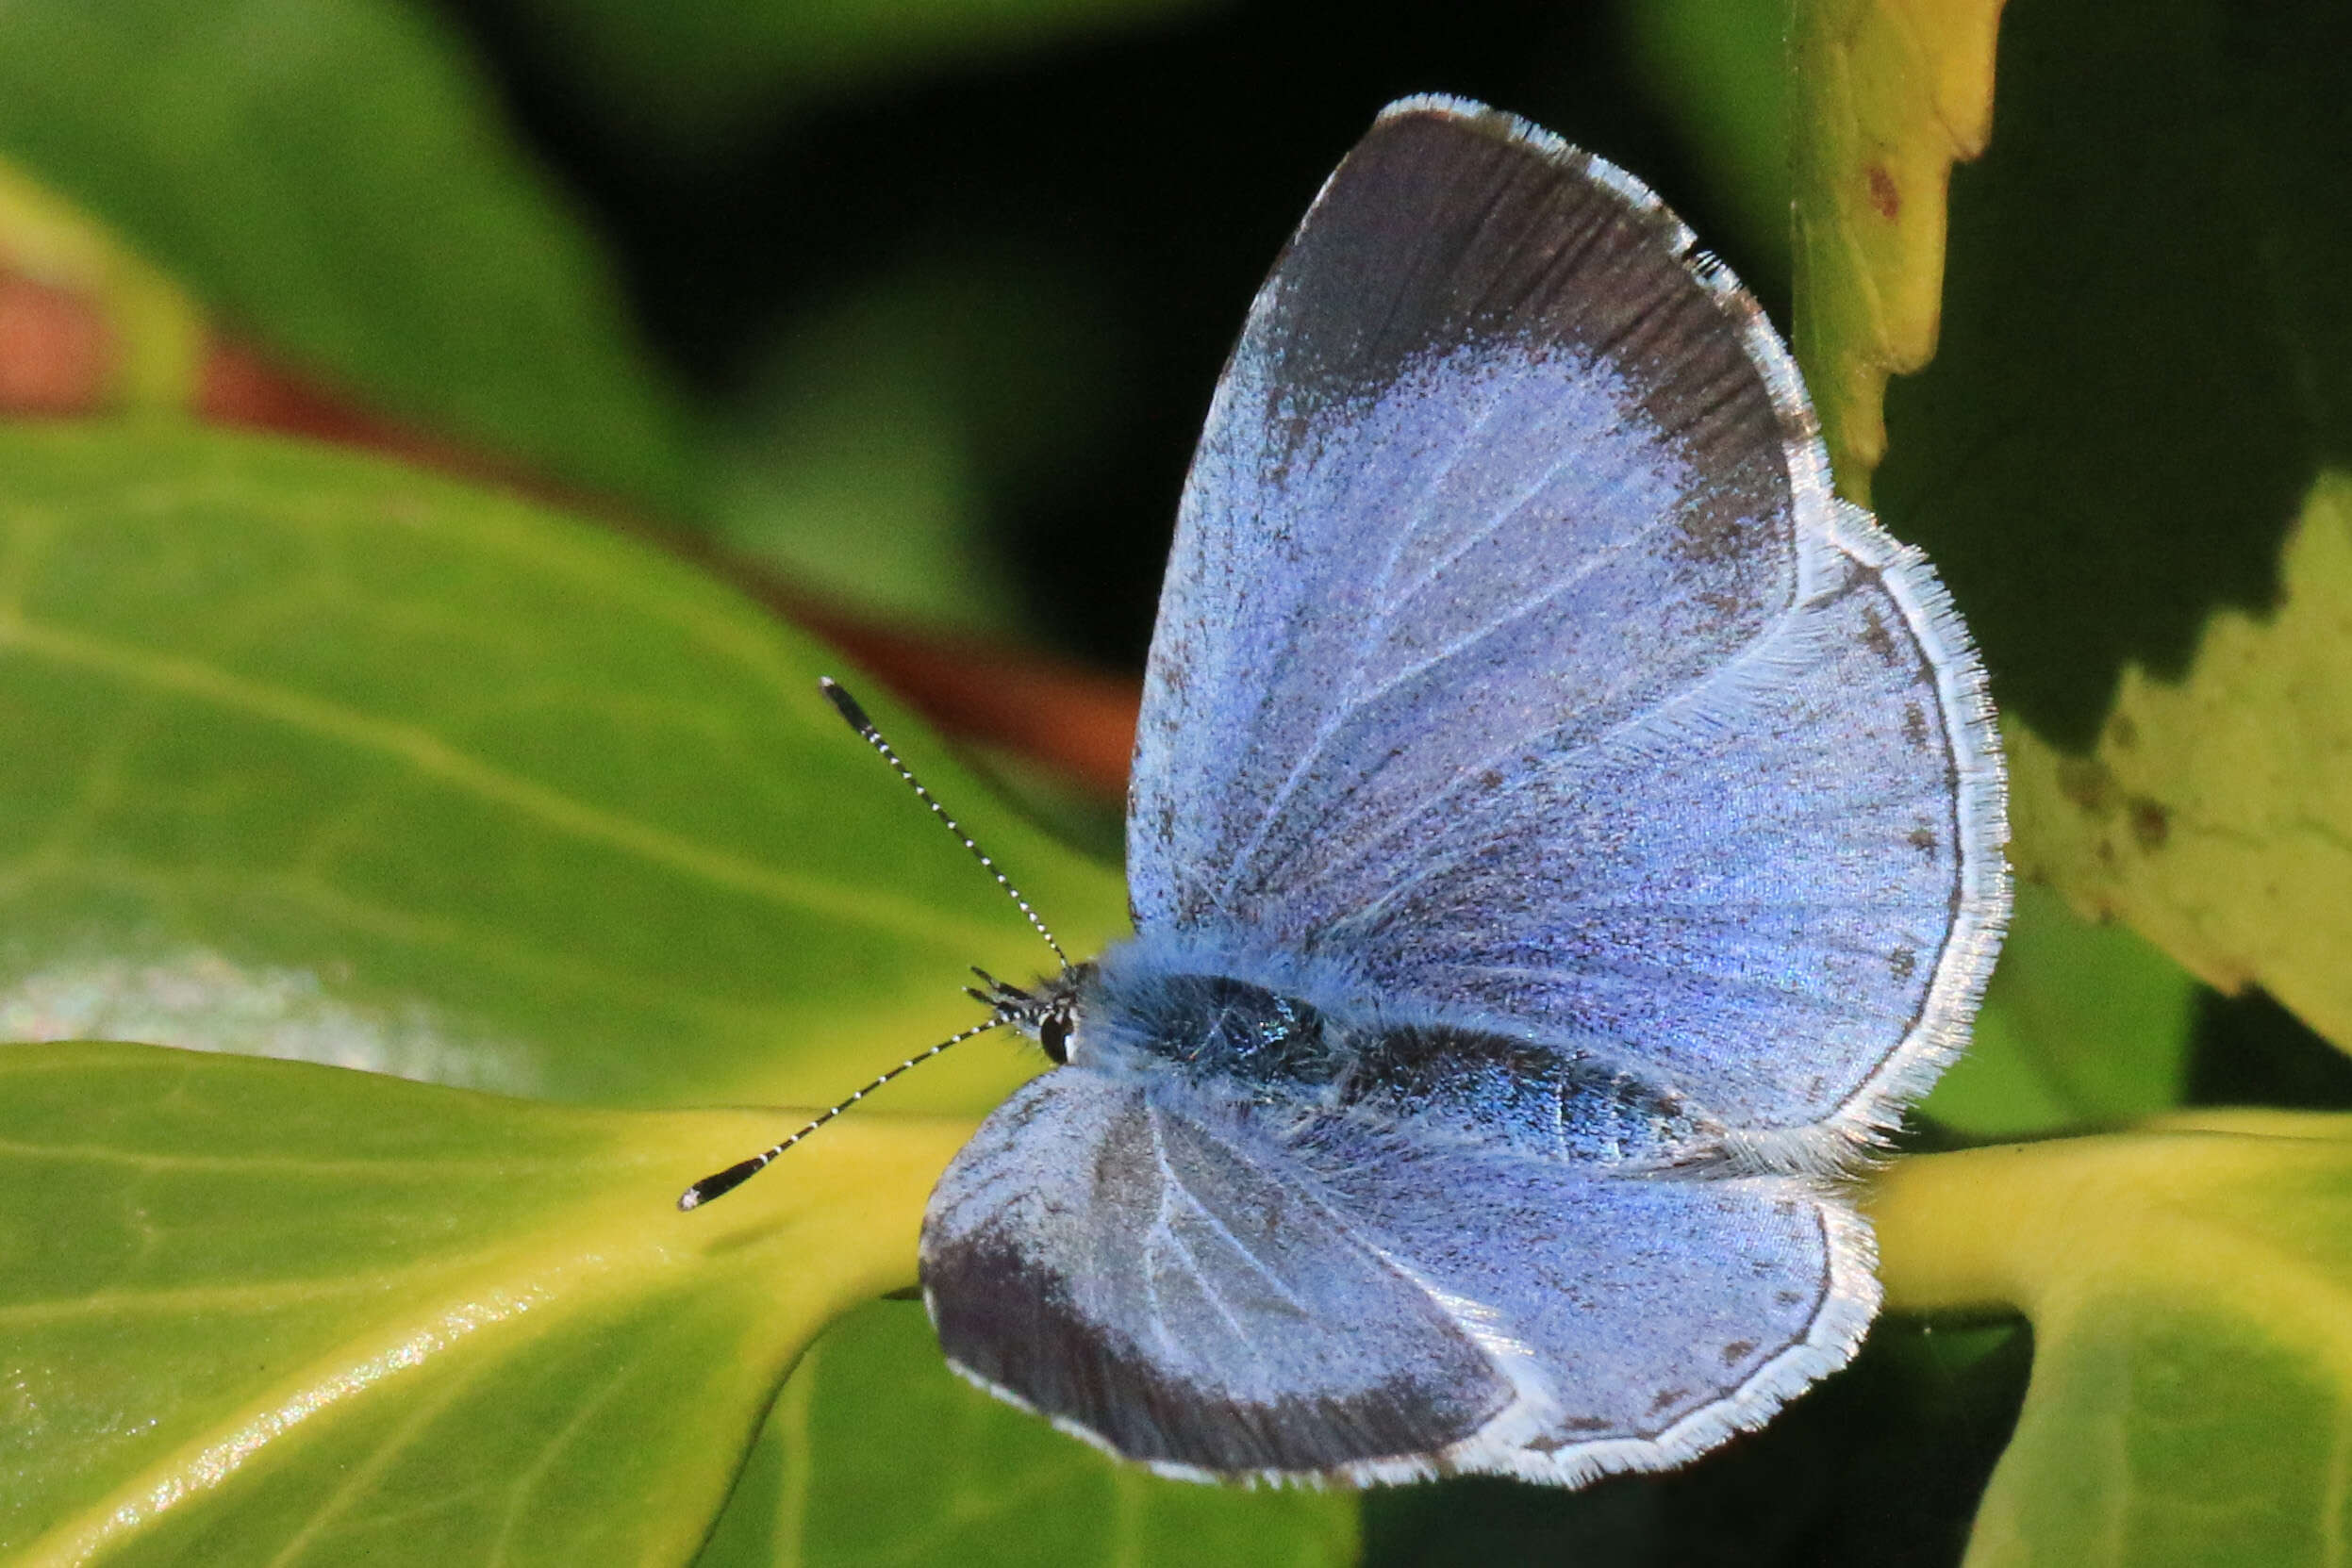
(2084, 1026)
(2215, 814)
(266, 1311)
(2190, 1288)
(312, 756)
(1891, 92)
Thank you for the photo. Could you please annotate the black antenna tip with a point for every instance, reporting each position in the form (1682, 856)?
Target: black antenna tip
(719, 1185)
(846, 704)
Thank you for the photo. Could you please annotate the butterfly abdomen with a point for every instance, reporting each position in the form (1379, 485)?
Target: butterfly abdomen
(1236, 1040)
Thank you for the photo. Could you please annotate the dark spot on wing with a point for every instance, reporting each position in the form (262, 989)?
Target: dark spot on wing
(1886, 197)
(1725, 607)
(1903, 962)
(1712, 534)
(1668, 1399)
(1922, 838)
(1788, 1298)
(1738, 1351)
(1874, 635)
(1916, 724)
(2151, 822)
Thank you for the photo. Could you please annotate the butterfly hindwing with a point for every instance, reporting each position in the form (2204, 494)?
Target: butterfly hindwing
(1221, 1290)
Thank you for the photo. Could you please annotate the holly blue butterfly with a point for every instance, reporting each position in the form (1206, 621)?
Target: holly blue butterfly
(1563, 838)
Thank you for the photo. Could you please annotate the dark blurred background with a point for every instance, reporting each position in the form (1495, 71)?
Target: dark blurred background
(960, 286)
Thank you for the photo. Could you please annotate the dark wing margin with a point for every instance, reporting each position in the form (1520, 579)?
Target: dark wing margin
(1190, 1286)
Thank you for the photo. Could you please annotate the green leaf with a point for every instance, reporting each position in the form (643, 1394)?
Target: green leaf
(2084, 1025)
(2216, 814)
(154, 329)
(331, 175)
(1719, 69)
(259, 1311)
(2146, 359)
(2141, 384)
(315, 756)
(866, 458)
(2189, 1287)
(818, 1490)
(2139, 380)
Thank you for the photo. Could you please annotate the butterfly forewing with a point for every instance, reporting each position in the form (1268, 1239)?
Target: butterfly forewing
(1514, 658)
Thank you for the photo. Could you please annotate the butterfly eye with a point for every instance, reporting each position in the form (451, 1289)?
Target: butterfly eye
(1054, 1034)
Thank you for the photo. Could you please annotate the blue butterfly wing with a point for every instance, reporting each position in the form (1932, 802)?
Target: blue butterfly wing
(1517, 664)
(1219, 1289)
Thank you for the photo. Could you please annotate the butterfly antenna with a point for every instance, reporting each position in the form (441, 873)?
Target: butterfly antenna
(849, 709)
(722, 1182)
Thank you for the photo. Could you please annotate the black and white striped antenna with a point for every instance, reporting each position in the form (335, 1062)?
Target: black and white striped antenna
(850, 710)
(720, 1183)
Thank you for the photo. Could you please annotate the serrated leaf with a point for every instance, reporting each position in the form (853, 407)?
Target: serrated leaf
(2215, 814)
(2146, 345)
(332, 175)
(266, 1311)
(2189, 1287)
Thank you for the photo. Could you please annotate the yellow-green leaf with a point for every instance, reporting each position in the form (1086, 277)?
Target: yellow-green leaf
(2215, 813)
(819, 1488)
(158, 332)
(1893, 92)
(2085, 1025)
(258, 1311)
(314, 756)
(336, 177)
(2189, 1287)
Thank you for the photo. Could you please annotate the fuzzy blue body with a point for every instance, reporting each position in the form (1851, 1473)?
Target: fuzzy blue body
(1171, 1012)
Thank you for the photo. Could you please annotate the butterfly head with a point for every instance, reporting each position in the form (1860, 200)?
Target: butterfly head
(1046, 1012)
